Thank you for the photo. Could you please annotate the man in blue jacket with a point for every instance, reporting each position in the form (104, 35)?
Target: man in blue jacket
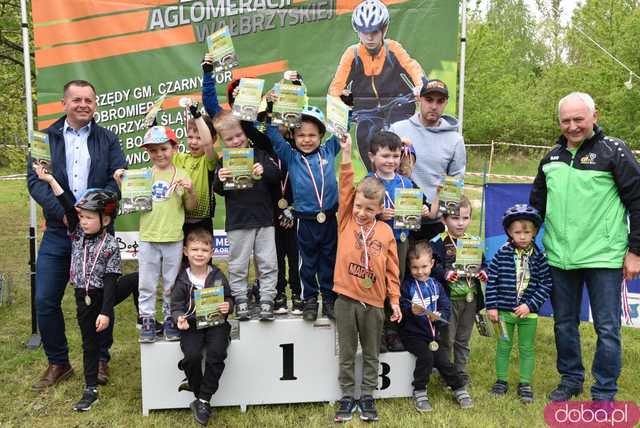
(83, 155)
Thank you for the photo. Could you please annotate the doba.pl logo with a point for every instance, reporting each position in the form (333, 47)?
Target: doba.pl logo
(592, 414)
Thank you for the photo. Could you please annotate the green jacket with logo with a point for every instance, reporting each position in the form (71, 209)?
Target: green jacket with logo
(584, 200)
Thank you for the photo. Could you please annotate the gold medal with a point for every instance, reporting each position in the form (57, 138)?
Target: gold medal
(321, 217)
(433, 346)
(282, 203)
(469, 297)
(367, 283)
(87, 300)
(403, 236)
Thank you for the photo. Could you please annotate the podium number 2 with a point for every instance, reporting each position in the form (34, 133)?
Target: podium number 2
(287, 362)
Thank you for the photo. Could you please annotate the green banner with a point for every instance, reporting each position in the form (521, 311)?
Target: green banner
(133, 53)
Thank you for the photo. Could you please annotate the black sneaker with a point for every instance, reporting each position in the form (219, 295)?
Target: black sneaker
(328, 310)
(266, 311)
(346, 407)
(367, 408)
(565, 392)
(500, 388)
(242, 311)
(525, 392)
(201, 411)
(297, 306)
(310, 311)
(89, 398)
(159, 327)
(280, 305)
(393, 342)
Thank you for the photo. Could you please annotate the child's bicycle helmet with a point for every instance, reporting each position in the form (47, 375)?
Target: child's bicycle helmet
(521, 212)
(370, 16)
(316, 115)
(99, 200)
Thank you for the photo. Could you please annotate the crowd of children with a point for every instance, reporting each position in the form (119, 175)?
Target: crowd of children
(381, 286)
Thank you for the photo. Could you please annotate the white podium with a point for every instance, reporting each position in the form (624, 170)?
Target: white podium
(285, 361)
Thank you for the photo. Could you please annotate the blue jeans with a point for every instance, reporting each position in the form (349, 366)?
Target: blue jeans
(604, 287)
(52, 275)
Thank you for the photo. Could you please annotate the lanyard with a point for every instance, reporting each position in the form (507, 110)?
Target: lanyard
(95, 260)
(319, 196)
(387, 197)
(283, 184)
(431, 293)
(365, 237)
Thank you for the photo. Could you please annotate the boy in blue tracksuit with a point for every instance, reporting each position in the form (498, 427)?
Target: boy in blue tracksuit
(425, 309)
(311, 167)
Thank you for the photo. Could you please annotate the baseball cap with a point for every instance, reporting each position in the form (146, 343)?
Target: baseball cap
(434, 86)
(159, 135)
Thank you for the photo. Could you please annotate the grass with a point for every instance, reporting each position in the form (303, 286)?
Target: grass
(120, 401)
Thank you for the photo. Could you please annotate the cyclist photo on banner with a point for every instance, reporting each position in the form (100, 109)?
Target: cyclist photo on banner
(378, 73)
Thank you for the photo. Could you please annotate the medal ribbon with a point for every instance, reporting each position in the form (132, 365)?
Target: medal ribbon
(319, 196)
(387, 197)
(283, 184)
(95, 260)
(431, 292)
(365, 237)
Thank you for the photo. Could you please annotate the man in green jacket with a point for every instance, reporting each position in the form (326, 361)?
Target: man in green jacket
(588, 191)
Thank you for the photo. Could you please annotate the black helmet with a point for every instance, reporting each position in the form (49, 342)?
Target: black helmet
(99, 200)
(521, 212)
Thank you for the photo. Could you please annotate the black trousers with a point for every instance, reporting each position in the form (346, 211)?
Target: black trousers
(87, 315)
(426, 360)
(427, 232)
(213, 340)
(287, 248)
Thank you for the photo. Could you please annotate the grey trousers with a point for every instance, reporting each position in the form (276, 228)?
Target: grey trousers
(261, 242)
(157, 260)
(356, 320)
(457, 335)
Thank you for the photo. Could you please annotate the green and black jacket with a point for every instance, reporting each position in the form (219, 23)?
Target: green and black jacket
(584, 200)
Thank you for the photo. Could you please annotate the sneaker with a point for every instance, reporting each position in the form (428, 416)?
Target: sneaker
(565, 392)
(159, 326)
(463, 398)
(327, 310)
(280, 305)
(393, 342)
(171, 332)
(310, 311)
(242, 311)
(500, 388)
(201, 411)
(367, 408)
(421, 401)
(147, 332)
(525, 392)
(266, 311)
(297, 306)
(89, 398)
(346, 407)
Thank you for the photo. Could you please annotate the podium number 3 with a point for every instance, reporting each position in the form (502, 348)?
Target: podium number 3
(287, 362)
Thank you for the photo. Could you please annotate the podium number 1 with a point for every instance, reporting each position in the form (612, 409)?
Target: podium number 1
(287, 362)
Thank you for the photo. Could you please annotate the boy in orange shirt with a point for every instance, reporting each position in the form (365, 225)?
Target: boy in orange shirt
(365, 274)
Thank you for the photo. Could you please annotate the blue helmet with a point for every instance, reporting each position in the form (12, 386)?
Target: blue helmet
(521, 212)
(316, 115)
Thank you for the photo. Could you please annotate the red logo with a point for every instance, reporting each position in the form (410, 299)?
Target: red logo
(592, 414)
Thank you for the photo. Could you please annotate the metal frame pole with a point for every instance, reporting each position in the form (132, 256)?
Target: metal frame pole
(463, 51)
(34, 341)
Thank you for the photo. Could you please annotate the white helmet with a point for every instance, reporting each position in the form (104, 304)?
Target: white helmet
(370, 16)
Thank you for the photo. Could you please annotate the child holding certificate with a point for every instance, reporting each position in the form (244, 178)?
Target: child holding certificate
(200, 303)
(247, 177)
(462, 283)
